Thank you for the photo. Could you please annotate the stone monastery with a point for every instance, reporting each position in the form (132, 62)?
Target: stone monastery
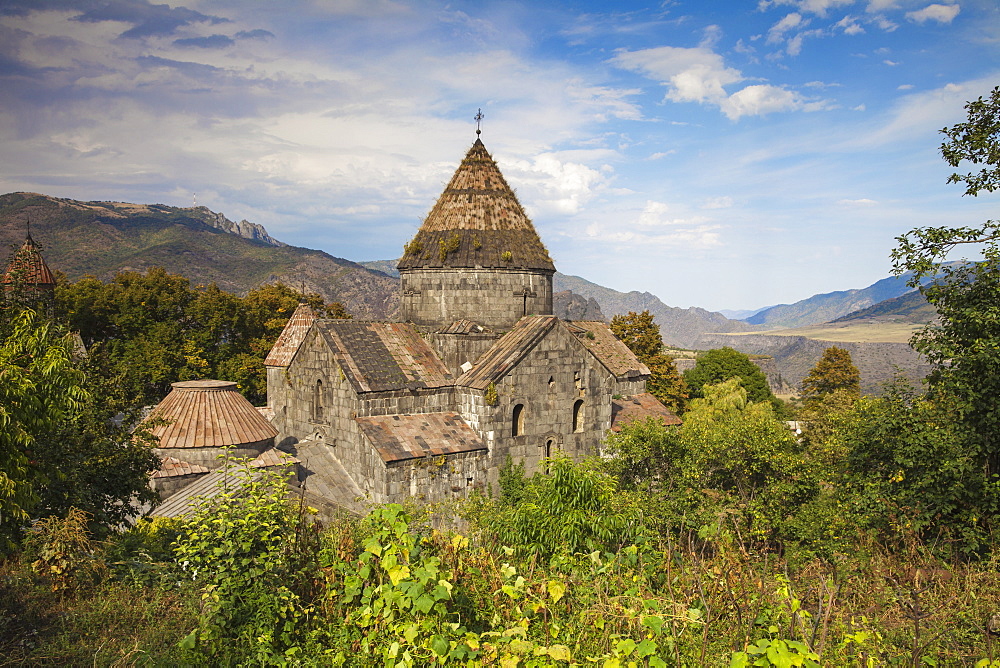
(478, 370)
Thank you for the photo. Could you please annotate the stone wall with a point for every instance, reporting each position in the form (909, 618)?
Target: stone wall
(493, 298)
(436, 478)
(547, 383)
(457, 349)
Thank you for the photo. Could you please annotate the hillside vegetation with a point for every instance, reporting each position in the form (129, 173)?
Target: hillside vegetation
(104, 238)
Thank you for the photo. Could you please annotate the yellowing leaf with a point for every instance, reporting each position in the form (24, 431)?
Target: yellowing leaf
(398, 573)
(556, 590)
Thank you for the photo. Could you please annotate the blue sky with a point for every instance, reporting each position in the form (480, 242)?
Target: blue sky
(718, 154)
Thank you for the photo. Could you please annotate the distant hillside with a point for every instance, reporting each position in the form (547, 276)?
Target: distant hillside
(829, 306)
(794, 356)
(103, 238)
(678, 326)
(911, 307)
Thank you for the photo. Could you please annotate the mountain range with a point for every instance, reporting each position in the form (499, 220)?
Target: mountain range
(102, 238)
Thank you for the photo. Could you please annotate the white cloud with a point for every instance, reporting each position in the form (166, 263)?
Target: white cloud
(935, 12)
(849, 24)
(890, 63)
(692, 74)
(857, 202)
(905, 87)
(818, 7)
(777, 32)
(700, 75)
(556, 185)
(759, 100)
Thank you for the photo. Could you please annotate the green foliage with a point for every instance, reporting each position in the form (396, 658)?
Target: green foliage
(721, 364)
(666, 383)
(963, 345)
(250, 552)
(39, 387)
(513, 482)
(639, 332)
(573, 508)
(835, 371)
(64, 549)
(146, 331)
(910, 471)
(976, 141)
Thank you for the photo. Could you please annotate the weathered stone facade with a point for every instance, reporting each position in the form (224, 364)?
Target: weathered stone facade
(496, 299)
(481, 370)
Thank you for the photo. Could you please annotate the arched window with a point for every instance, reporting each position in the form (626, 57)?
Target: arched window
(578, 415)
(548, 453)
(517, 421)
(317, 402)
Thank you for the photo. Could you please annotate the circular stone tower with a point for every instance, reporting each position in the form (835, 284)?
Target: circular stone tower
(476, 256)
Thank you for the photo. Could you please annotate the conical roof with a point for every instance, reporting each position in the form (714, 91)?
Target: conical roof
(207, 414)
(477, 222)
(28, 267)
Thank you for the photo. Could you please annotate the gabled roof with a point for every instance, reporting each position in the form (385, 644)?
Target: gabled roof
(378, 356)
(291, 336)
(639, 407)
(208, 413)
(508, 351)
(398, 438)
(606, 347)
(272, 457)
(477, 222)
(27, 266)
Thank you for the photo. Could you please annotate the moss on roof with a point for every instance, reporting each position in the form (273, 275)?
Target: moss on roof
(477, 222)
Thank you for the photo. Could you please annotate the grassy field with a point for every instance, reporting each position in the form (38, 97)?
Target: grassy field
(865, 331)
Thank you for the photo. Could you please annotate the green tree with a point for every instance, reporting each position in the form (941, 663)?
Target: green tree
(39, 387)
(732, 458)
(963, 345)
(909, 471)
(639, 332)
(721, 364)
(835, 371)
(149, 330)
(641, 335)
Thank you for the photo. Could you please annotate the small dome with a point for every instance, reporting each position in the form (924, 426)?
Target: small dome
(208, 414)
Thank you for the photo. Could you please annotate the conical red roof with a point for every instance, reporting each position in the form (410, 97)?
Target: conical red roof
(477, 222)
(206, 414)
(28, 267)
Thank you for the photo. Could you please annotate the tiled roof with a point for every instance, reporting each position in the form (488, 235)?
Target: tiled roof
(639, 407)
(401, 437)
(171, 467)
(27, 266)
(606, 347)
(208, 413)
(291, 337)
(272, 457)
(508, 351)
(477, 222)
(201, 491)
(377, 356)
